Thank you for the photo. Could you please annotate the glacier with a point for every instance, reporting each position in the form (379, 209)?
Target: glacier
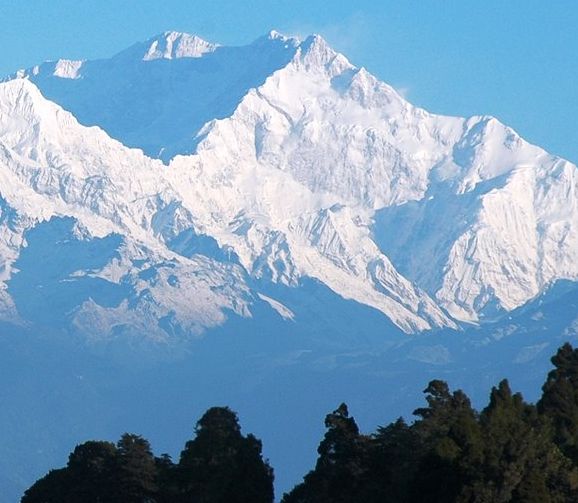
(262, 225)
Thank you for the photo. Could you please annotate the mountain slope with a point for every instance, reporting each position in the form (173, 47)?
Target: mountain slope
(156, 95)
(508, 231)
(311, 167)
(68, 170)
(63, 183)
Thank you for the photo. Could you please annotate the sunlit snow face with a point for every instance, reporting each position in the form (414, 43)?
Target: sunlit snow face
(292, 164)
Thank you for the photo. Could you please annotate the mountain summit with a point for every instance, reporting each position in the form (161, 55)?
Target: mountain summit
(293, 164)
(173, 45)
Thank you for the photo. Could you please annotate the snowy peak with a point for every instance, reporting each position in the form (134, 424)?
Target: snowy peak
(77, 172)
(193, 83)
(96, 211)
(68, 68)
(315, 54)
(174, 45)
(286, 162)
(275, 35)
(369, 92)
(16, 95)
(274, 39)
(24, 113)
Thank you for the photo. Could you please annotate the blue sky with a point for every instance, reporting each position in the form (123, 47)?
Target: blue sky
(516, 59)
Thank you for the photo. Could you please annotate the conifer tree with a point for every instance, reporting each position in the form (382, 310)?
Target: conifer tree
(88, 478)
(221, 465)
(520, 460)
(451, 445)
(49, 489)
(342, 466)
(92, 467)
(559, 400)
(136, 477)
(512, 452)
(167, 479)
(394, 456)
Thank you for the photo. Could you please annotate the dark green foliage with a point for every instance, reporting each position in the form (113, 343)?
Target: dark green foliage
(511, 452)
(519, 456)
(166, 479)
(559, 400)
(453, 454)
(49, 489)
(221, 465)
(341, 468)
(88, 477)
(450, 444)
(394, 454)
(137, 471)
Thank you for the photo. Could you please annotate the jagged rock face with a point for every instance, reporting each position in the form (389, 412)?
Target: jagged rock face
(270, 163)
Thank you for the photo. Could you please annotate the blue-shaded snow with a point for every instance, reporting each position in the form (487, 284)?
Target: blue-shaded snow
(188, 243)
(46, 289)
(160, 105)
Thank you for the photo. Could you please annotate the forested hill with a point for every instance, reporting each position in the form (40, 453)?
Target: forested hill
(511, 451)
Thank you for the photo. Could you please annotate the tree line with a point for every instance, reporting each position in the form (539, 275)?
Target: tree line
(511, 451)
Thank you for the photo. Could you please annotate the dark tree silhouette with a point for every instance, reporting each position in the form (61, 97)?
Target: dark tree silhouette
(87, 478)
(394, 457)
(559, 400)
(451, 443)
(341, 467)
(49, 489)
(137, 471)
(511, 452)
(221, 465)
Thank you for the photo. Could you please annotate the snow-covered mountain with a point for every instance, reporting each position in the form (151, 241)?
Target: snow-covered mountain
(289, 206)
(274, 162)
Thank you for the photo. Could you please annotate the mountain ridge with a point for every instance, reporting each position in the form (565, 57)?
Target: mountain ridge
(314, 167)
(261, 226)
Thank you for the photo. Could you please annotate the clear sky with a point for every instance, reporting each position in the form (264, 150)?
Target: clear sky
(515, 59)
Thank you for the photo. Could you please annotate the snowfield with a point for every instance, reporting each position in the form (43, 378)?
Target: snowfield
(302, 166)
